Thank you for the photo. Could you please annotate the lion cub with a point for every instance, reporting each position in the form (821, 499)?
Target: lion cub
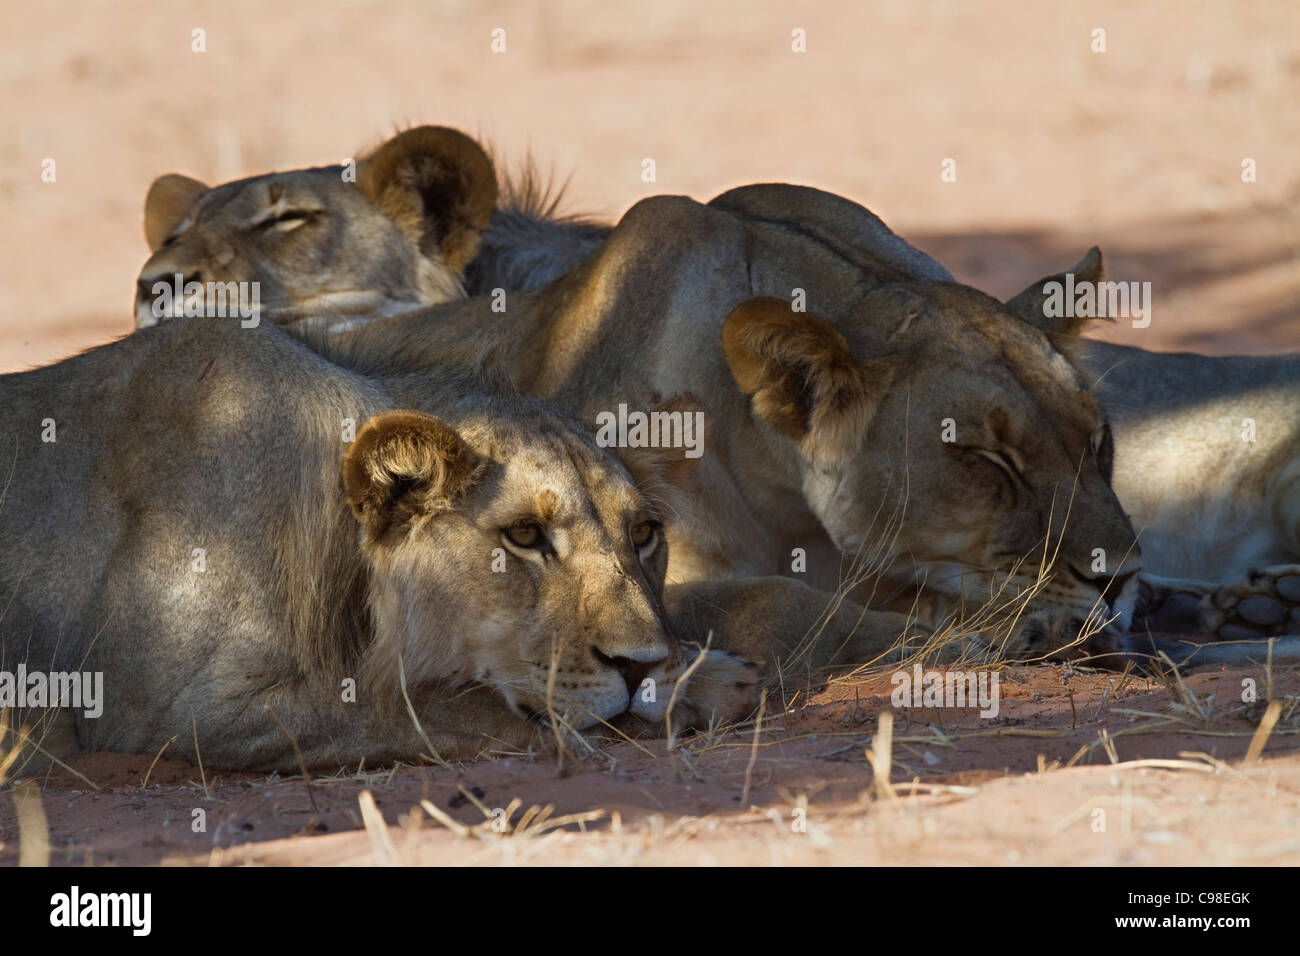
(252, 550)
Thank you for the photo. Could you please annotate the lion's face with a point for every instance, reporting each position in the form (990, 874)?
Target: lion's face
(946, 439)
(540, 548)
(393, 234)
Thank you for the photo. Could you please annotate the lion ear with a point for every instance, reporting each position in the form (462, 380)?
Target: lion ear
(800, 375)
(168, 202)
(406, 466)
(438, 185)
(1030, 305)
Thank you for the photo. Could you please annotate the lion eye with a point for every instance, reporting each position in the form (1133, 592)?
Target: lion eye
(1003, 460)
(643, 533)
(289, 219)
(525, 535)
(1103, 450)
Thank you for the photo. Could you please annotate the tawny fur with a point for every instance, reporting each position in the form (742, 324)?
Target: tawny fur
(322, 247)
(205, 532)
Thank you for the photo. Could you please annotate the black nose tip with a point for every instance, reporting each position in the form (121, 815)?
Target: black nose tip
(1110, 586)
(1115, 587)
(634, 672)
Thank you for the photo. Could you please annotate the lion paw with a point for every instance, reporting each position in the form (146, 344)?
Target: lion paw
(1266, 604)
(722, 690)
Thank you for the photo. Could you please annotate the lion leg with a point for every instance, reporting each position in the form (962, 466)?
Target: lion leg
(1284, 497)
(777, 618)
(1154, 652)
(748, 623)
(1266, 603)
(278, 730)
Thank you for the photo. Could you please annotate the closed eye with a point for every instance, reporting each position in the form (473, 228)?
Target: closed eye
(286, 220)
(1103, 450)
(1003, 460)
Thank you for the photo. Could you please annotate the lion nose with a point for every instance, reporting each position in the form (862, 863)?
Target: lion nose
(634, 672)
(1119, 591)
(146, 282)
(1116, 584)
(1108, 584)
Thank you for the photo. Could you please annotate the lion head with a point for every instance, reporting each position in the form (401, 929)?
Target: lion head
(942, 437)
(392, 234)
(527, 554)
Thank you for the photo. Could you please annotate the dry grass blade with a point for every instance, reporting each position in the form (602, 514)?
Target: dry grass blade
(753, 752)
(410, 709)
(7, 759)
(158, 756)
(1265, 728)
(455, 826)
(531, 813)
(511, 808)
(1158, 764)
(880, 756)
(302, 764)
(535, 821)
(25, 741)
(202, 776)
(473, 798)
(33, 832)
(381, 841)
(1187, 701)
(554, 823)
(1108, 745)
(914, 787)
(682, 682)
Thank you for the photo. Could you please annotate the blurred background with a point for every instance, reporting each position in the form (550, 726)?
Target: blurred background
(1138, 149)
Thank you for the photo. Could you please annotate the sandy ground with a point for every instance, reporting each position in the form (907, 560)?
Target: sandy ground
(1034, 785)
(1138, 149)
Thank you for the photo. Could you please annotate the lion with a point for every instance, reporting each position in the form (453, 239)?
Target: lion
(391, 233)
(1206, 449)
(526, 247)
(1208, 453)
(271, 561)
(924, 440)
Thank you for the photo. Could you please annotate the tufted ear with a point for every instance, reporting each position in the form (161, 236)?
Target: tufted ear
(438, 185)
(1031, 304)
(800, 375)
(169, 201)
(404, 467)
